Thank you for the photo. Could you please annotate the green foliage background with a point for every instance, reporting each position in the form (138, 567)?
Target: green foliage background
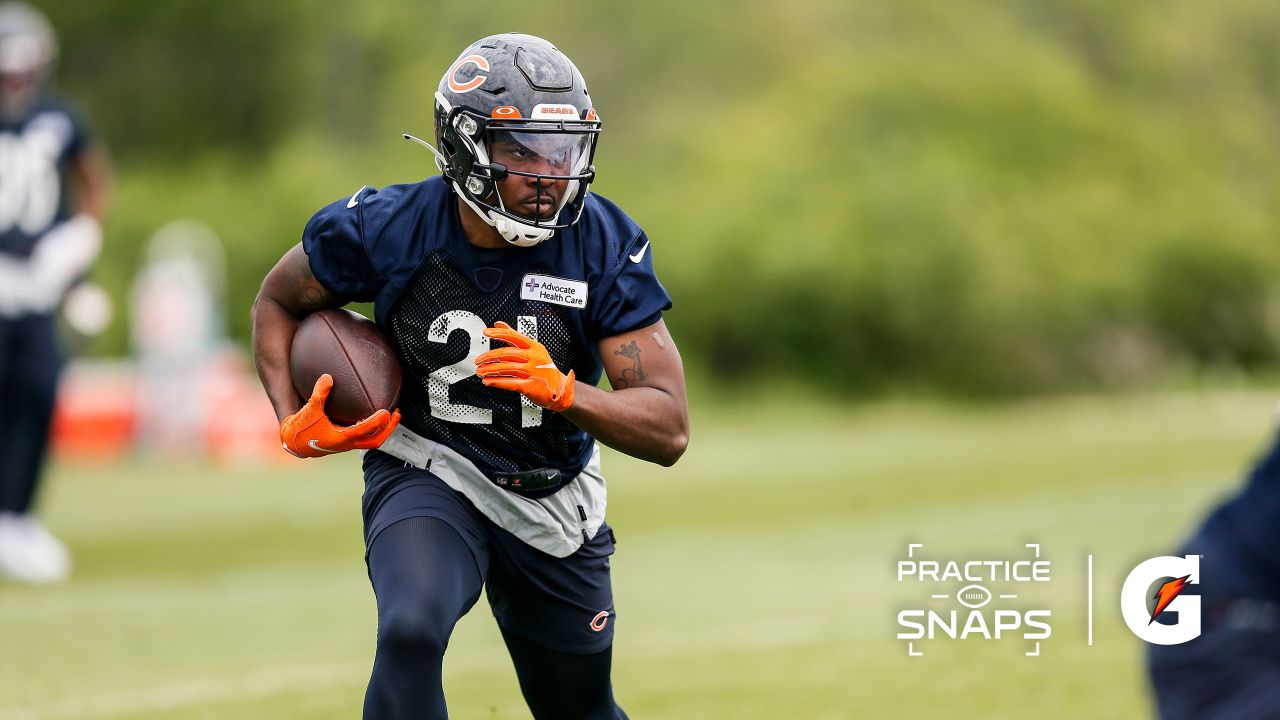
(1003, 197)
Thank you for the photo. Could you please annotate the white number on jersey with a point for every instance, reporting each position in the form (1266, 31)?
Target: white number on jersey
(438, 382)
(29, 183)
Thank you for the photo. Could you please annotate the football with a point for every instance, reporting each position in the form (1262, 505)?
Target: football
(366, 372)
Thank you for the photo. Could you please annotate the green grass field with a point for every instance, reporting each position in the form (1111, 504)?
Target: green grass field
(754, 580)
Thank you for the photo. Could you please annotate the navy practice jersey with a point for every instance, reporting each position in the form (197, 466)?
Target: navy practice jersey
(1247, 530)
(403, 248)
(36, 154)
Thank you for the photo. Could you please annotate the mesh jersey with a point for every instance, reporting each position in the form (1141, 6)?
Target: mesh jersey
(36, 154)
(403, 248)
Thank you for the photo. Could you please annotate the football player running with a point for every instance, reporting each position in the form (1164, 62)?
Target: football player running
(53, 187)
(507, 289)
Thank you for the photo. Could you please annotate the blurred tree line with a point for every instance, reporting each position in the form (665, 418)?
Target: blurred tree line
(975, 198)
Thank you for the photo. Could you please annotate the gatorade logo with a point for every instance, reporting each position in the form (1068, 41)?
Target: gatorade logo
(1177, 573)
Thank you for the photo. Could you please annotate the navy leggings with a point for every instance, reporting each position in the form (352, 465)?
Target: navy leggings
(425, 580)
(30, 363)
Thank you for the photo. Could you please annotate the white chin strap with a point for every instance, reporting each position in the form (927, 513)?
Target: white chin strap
(517, 233)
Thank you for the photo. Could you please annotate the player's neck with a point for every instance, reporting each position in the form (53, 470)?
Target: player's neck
(479, 233)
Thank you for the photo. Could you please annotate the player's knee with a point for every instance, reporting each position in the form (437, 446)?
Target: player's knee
(420, 630)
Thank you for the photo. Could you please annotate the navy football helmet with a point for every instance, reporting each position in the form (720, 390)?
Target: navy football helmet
(514, 105)
(27, 50)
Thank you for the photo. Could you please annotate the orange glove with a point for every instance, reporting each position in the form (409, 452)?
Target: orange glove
(526, 367)
(310, 433)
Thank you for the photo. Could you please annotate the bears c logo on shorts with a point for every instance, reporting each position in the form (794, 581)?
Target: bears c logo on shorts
(600, 620)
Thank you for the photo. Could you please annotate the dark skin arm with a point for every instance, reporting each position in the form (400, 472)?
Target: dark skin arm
(289, 293)
(647, 414)
(91, 174)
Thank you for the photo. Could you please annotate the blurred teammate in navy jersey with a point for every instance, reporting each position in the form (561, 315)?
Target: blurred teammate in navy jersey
(507, 289)
(1232, 671)
(52, 192)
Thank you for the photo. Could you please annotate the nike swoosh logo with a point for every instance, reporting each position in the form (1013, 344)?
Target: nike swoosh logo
(355, 198)
(544, 367)
(640, 253)
(314, 446)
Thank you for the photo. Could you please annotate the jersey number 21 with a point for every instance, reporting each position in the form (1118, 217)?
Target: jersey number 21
(438, 382)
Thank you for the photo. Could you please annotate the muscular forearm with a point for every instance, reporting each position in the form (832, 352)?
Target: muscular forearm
(273, 331)
(643, 422)
(289, 293)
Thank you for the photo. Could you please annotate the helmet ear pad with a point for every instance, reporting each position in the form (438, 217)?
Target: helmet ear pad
(468, 157)
(452, 147)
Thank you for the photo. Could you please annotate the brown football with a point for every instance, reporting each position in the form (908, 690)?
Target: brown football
(366, 372)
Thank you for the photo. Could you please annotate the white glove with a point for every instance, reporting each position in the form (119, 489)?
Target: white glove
(60, 257)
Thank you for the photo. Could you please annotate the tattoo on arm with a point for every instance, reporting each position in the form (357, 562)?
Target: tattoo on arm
(634, 374)
(311, 294)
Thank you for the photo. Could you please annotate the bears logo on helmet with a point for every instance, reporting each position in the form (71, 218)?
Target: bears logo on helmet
(479, 61)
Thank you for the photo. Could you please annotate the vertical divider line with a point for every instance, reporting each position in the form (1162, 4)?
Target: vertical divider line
(1090, 601)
